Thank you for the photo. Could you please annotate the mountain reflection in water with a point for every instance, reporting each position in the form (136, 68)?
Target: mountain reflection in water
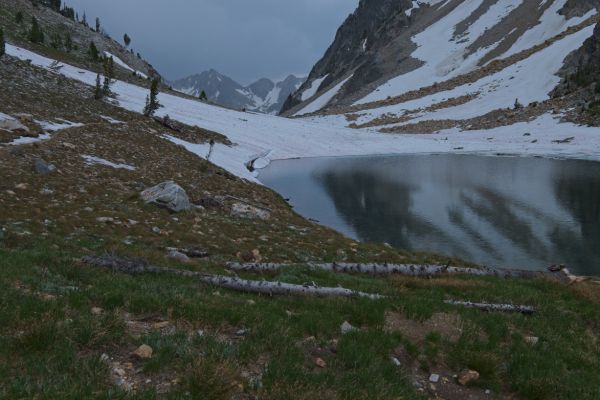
(499, 211)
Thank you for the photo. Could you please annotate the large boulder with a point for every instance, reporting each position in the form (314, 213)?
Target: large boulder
(168, 195)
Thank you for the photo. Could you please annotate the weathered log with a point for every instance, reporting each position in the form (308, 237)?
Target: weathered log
(190, 252)
(406, 269)
(134, 267)
(493, 307)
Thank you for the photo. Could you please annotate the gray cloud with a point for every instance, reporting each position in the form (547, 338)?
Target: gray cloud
(246, 39)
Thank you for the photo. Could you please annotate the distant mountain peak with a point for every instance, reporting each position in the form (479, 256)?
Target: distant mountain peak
(263, 95)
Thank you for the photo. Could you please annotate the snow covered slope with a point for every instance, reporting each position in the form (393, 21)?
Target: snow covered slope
(439, 47)
(270, 137)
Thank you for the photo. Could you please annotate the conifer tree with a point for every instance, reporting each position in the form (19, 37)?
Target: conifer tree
(203, 96)
(35, 33)
(2, 45)
(152, 103)
(97, 24)
(19, 17)
(93, 52)
(84, 20)
(98, 92)
(108, 75)
(68, 42)
(126, 40)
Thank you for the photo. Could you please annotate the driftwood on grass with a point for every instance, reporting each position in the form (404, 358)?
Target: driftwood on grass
(493, 307)
(190, 252)
(134, 267)
(406, 269)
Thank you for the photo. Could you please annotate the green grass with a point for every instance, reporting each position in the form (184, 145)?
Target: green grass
(50, 348)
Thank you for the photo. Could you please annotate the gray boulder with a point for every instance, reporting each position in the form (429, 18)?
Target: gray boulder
(168, 195)
(42, 167)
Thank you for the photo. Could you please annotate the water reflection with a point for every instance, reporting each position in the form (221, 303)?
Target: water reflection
(500, 211)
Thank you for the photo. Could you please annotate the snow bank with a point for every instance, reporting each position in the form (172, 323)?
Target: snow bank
(124, 65)
(324, 136)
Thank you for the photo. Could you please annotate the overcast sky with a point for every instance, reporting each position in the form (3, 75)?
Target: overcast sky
(245, 39)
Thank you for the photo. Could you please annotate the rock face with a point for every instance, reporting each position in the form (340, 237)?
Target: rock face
(168, 195)
(263, 96)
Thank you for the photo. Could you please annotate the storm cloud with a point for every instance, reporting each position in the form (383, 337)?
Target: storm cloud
(245, 39)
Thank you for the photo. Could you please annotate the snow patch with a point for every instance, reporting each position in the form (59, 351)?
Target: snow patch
(93, 160)
(314, 86)
(325, 98)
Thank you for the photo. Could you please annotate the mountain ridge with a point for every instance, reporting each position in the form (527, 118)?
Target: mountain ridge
(394, 52)
(264, 95)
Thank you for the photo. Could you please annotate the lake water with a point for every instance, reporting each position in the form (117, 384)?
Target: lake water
(498, 211)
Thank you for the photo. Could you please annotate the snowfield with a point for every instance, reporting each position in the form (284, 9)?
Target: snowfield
(282, 138)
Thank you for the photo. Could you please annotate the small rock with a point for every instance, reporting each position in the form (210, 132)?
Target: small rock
(467, 376)
(97, 310)
(21, 186)
(396, 362)
(319, 362)
(68, 145)
(168, 195)
(156, 230)
(105, 219)
(250, 302)
(42, 167)
(346, 328)
(241, 332)
(177, 256)
(119, 371)
(249, 212)
(104, 358)
(143, 352)
(532, 340)
(200, 332)
(435, 378)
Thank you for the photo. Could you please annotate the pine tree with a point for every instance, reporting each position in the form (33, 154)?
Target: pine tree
(98, 92)
(93, 52)
(35, 33)
(126, 40)
(152, 103)
(68, 42)
(108, 75)
(97, 24)
(56, 41)
(203, 96)
(2, 45)
(19, 17)
(84, 20)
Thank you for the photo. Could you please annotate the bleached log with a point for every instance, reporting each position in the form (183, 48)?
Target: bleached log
(493, 307)
(134, 267)
(404, 269)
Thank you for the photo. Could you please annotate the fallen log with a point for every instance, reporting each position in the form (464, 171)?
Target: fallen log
(135, 267)
(407, 269)
(493, 307)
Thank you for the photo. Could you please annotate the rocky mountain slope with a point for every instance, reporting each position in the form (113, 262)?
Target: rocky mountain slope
(69, 39)
(263, 96)
(429, 65)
